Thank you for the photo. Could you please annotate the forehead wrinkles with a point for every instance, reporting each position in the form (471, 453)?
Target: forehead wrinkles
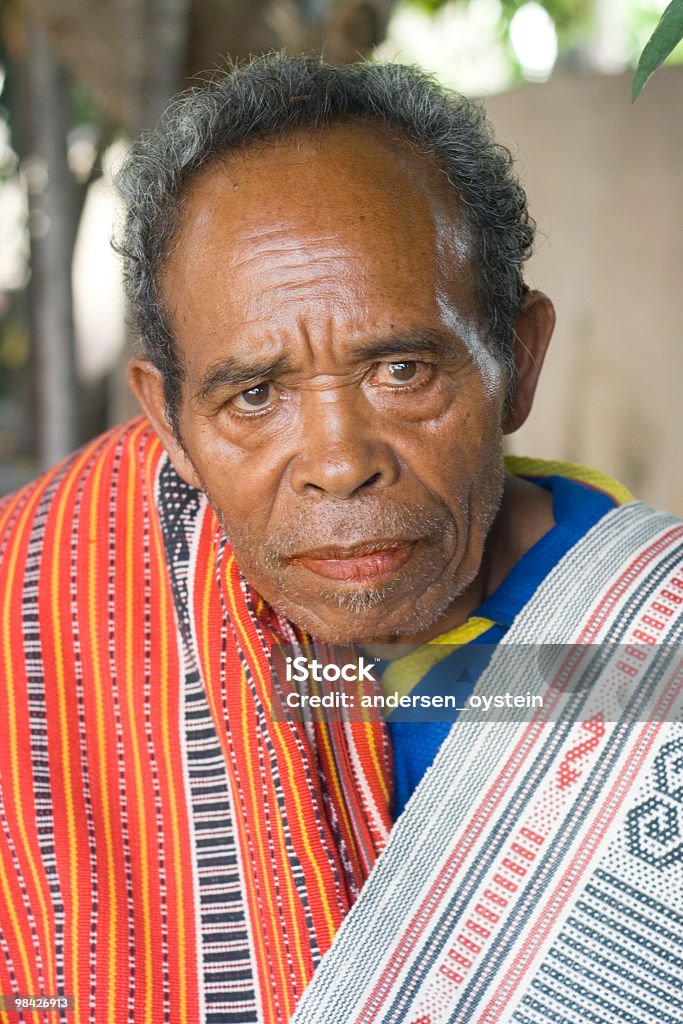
(279, 250)
(319, 182)
(311, 212)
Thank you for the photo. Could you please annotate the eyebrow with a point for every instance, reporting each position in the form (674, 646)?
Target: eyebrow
(425, 341)
(233, 374)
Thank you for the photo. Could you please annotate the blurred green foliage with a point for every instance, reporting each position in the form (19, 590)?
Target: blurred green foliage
(662, 42)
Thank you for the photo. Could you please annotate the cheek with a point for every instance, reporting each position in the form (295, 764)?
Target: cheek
(463, 467)
(241, 489)
(457, 443)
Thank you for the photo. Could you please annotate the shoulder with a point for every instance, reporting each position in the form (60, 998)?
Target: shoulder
(80, 486)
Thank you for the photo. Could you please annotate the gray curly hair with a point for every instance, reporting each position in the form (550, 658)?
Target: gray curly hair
(276, 94)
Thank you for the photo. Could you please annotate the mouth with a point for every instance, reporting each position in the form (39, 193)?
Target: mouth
(358, 563)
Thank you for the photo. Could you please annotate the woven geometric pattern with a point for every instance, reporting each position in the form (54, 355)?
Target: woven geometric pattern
(535, 875)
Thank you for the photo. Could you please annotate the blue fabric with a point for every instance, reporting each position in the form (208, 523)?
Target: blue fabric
(576, 508)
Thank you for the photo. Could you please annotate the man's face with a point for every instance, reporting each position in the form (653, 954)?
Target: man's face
(340, 406)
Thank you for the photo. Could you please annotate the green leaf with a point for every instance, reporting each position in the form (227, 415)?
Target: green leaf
(665, 37)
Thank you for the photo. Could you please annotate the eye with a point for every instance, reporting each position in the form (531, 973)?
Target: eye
(253, 399)
(403, 371)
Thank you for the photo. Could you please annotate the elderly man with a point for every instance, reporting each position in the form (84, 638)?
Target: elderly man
(326, 269)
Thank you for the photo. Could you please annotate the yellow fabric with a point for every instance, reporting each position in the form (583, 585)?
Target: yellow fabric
(522, 465)
(405, 673)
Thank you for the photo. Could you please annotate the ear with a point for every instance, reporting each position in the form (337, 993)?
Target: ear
(534, 329)
(148, 387)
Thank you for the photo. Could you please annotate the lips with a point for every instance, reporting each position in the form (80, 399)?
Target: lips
(360, 563)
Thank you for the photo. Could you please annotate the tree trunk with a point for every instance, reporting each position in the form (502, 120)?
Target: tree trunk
(136, 53)
(53, 216)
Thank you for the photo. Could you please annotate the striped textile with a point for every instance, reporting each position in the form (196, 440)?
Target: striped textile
(536, 874)
(167, 852)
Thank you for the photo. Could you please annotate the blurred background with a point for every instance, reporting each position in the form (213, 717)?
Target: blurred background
(79, 78)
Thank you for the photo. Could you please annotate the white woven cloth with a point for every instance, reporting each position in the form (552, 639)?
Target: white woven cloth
(536, 875)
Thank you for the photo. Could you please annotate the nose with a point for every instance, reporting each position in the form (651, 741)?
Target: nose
(340, 453)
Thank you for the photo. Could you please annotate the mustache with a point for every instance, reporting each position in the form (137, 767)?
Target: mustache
(367, 521)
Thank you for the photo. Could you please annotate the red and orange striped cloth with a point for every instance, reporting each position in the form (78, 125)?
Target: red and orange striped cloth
(167, 852)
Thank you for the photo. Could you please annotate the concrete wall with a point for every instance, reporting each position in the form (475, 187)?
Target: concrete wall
(605, 185)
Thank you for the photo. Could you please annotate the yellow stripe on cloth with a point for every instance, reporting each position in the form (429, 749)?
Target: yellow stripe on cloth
(405, 673)
(521, 465)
